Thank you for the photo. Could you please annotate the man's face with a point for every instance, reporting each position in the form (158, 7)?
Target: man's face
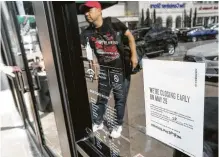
(92, 14)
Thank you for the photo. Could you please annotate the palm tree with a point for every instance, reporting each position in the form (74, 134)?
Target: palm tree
(186, 19)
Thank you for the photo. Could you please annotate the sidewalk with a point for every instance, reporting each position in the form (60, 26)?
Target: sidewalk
(14, 139)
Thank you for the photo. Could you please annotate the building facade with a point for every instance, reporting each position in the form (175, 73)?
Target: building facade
(168, 14)
(207, 12)
(172, 14)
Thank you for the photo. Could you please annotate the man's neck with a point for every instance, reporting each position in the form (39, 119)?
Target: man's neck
(98, 23)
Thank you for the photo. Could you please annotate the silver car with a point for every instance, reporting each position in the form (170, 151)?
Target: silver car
(208, 54)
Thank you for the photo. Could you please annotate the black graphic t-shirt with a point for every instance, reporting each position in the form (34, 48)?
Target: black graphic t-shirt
(104, 41)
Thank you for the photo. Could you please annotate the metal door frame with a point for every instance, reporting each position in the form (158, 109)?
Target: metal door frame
(54, 75)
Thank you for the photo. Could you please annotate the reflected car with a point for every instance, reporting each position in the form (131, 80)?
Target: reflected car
(181, 30)
(198, 33)
(156, 40)
(207, 54)
(214, 26)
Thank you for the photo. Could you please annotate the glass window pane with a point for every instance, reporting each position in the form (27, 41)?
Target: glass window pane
(117, 98)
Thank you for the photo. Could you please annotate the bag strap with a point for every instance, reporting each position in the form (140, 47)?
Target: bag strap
(114, 30)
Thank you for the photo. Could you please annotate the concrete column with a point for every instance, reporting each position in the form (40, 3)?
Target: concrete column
(164, 23)
(174, 24)
(209, 20)
(127, 24)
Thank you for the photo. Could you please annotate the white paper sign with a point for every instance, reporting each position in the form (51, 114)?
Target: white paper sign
(174, 99)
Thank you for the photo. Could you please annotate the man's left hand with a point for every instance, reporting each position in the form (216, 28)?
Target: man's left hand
(134, 61)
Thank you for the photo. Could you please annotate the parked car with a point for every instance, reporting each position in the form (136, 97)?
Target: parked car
(175, 30)
(181, 30)
(156, 40)
(208, 54)
(196, 33)
(214, 26)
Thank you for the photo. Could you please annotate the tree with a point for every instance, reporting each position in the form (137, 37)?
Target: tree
(142, 17)
(190, 18)
(154, 16)
(194, 18)
(186, 19)
(148, 20)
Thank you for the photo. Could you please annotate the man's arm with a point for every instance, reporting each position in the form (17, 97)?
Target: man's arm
(9, 70)
(118, 25)
(131, 39)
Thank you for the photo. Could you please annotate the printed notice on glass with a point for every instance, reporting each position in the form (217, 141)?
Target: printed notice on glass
(174, 103)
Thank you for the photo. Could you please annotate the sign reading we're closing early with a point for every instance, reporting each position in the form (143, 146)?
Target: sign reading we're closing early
(174, 103)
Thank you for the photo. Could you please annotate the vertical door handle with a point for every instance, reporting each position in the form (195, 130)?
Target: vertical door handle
(37, 80)
(20, 80)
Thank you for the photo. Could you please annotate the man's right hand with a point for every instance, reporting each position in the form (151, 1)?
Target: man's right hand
(10, 70)
(134, 61)
(16, 69)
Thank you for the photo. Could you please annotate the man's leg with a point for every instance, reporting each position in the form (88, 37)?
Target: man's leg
(120, 97)
(104, 89)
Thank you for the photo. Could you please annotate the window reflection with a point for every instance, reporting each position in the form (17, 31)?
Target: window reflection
(157, 39)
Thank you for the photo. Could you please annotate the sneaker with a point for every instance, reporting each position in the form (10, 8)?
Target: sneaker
(116, 133)
(97, 127)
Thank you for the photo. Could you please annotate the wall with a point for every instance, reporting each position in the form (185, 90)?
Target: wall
(115, 11)
(3, 79)
(132, 8)
(202, 12)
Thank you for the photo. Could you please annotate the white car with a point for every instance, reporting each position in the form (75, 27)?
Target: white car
(208, 54)
(214, 26)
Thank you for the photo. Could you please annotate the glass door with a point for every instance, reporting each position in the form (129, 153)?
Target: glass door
(13, 82)
(25, 24)
(9, 36)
